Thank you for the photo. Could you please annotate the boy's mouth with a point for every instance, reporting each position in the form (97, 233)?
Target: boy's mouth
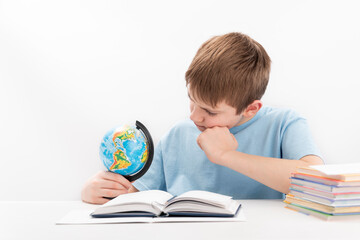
(201, 128)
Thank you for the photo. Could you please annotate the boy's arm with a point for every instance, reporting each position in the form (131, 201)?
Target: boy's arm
(272, 172)
(220, 147)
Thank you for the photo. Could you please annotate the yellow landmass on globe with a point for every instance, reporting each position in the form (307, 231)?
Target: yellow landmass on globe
(145, 155)
(120, 161)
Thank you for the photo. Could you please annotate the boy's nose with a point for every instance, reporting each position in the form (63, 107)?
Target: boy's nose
(195, 115)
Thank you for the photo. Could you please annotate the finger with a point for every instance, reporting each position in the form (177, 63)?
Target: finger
(101, 200)
(111, 193)
(108, 184)
(198, 142)
(117, 178)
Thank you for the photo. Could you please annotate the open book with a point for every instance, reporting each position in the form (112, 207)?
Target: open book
(155, 203)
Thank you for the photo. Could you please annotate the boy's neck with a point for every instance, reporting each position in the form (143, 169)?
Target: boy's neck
(244, 120)
(252, 112)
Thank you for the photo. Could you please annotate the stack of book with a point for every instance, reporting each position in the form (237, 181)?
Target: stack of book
(326, 191)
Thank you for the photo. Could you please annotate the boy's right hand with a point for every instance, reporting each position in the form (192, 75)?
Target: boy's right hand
(103, 186)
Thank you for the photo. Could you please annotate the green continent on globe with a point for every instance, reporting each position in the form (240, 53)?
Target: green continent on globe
(120, 159)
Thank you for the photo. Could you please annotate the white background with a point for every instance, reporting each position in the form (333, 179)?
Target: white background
(72, 69)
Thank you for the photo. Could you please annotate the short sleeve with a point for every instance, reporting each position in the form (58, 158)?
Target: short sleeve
(297, 141)
(154, 178)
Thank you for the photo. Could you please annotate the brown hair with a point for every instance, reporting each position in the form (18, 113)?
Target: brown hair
(233, 68)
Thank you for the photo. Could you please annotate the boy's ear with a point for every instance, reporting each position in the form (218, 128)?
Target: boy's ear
(253, 108)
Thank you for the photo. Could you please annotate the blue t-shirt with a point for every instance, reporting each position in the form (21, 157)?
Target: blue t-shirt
(179, 165)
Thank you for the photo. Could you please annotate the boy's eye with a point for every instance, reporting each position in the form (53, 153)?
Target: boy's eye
(210, 113)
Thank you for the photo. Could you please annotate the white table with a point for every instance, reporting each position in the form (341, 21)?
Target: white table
(266, 219)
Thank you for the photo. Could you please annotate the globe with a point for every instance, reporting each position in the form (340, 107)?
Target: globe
(127, 150)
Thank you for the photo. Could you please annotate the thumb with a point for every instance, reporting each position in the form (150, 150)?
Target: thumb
(198, 142)
(233, 137)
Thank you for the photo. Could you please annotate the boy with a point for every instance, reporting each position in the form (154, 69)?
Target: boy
(232, 145)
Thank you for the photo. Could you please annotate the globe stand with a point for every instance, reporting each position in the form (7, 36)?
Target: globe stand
(148, 162)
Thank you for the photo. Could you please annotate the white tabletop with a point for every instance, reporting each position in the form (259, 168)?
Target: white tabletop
(266, 219)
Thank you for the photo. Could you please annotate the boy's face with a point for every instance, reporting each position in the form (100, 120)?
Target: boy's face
(204, 116)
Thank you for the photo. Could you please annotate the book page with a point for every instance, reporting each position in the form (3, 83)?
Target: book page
(203, 196)
(194, 207)
(147, 197)
(338, 169)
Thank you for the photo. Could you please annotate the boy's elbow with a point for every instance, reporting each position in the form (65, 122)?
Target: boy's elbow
(312, 160)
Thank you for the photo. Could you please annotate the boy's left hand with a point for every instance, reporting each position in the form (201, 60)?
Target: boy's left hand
(215, 142)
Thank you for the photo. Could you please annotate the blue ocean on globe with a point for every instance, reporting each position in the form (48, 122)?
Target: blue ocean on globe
(124, 150)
